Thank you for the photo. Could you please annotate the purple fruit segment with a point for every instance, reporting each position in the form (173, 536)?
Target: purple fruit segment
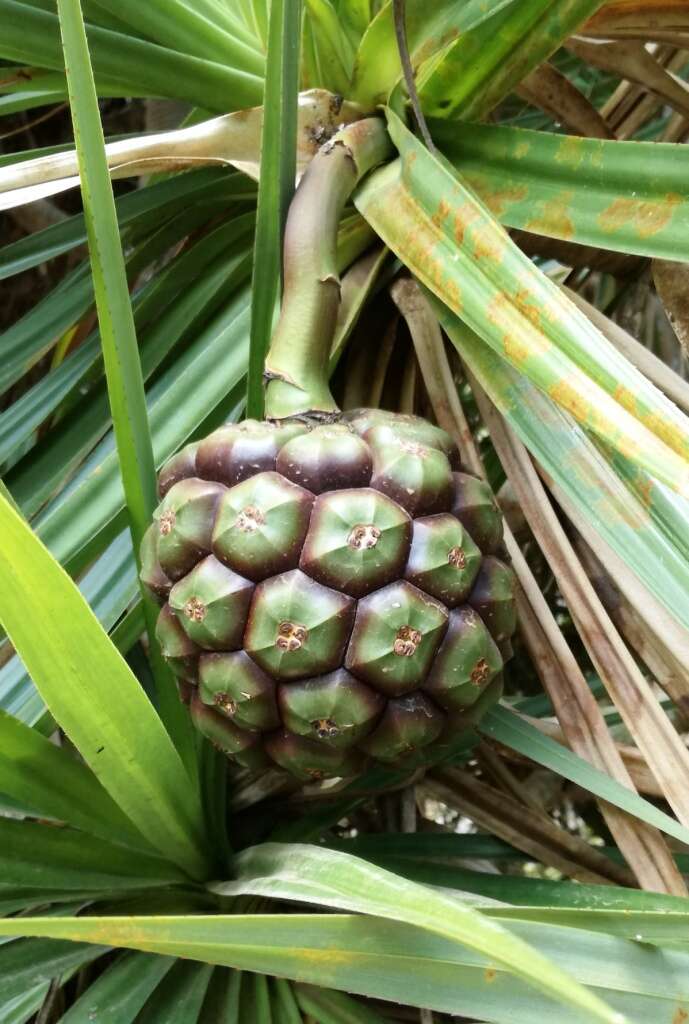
(239, 689)
(180, 467)
(396, 633)
(475, 507)
(179, 651)
(244, 747)
(261, 524)
(443, 561)
(466, 664)
(325, 459)
(493, 597)
(239, 451)
(297, 628)
(212, 605)
(184, 521)
(312, 761)
(392, 425)
(357, 542)
(409, 723)
(152, 575)
(336, 710)
(414, 475)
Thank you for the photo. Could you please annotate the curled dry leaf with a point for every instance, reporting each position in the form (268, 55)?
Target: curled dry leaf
(547, 88)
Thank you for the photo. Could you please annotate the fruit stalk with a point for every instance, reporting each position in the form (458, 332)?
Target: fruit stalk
(297, 362)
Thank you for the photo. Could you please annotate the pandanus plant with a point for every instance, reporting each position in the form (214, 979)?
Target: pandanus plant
(334, 593)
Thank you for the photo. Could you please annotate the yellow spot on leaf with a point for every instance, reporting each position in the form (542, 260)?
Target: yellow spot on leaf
(571, 151)
(496, 199)
(521, 149)
(554, 218)
(646, 216)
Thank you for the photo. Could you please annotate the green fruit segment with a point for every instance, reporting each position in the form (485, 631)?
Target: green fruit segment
(417, 477)
(396, 634)
(297, 628)
(325, 459)
(184, 521)
(493, 597)
(312, 761)
(390, 426)
(408, 724)
(337, 709)
(239, 451)
(212, 604)
(414, 430)
(179, 650)
(239, 689)
(152, 575)
(443, 561)
(244, 747)
(180, 467)
(466, 664)
(474, 505)
(261, 525)
(358, 541)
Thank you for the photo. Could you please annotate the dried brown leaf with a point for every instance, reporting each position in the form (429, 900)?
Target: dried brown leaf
(672, 284)
(551, 91)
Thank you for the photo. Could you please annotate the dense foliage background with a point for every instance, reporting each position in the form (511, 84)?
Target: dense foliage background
(525, 285)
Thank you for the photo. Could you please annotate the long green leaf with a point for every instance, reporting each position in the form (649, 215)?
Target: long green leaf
(118, 340)
(514, 732)
(180, 998)
(95, 697)
(627, 196)
(394, 961)
(121, 991)
(308, 874)
(127, 66)
(451, 242)
(430, 29)
(39, 856)
(484, 64)
(276, 185)
(581, 470)
(46, 781)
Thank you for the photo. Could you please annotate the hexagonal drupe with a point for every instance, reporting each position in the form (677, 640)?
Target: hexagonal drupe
(152, 575)
(493, 598)
(408, 724)
(312, 761)
(261, 525)
(416, 476)
(185, 520)
(239, 450)
(297, 628)
(474, 505)
(327, 458)
(180, 466)
(244, 747)
(396, 634)
(239, 689)
(337, 709)
(443, 560)
(358, 540)
(467, 662)
(179, 651)
(212, 604)
(390, 425)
